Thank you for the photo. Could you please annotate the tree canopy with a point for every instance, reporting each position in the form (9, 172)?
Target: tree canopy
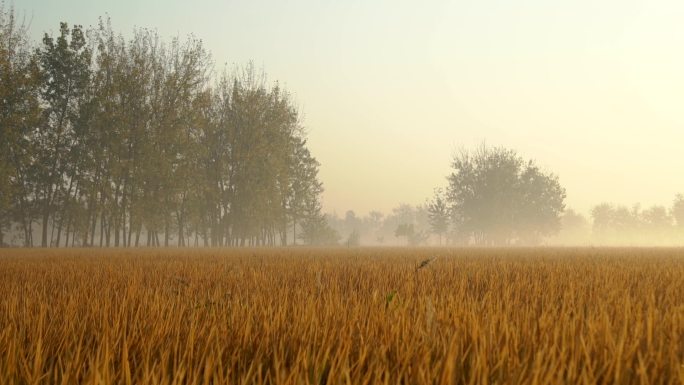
(128, 142)
(497, 198)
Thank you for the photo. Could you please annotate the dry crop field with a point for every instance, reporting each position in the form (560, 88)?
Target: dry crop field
(357, 316)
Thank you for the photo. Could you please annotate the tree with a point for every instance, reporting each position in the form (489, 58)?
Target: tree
(354, 239)
(353, 226)
(405, 230)
(497, 198)
(618, 224)
(19, 116)
(315, 228)
(574, 229)
(657, 224)
(541, 204)
(304, 187)
(107, 139)
(677, 210)
(65, 64)
(413, 237)
(438, 214)
(657, 218)
(373, 223)
(402, 214)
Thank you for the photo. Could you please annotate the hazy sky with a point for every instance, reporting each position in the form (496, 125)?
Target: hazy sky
(592, 90)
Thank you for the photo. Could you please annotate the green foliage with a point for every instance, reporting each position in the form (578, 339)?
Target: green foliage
(65, 68)
(106, 139)
(390, 297)
(19, 117)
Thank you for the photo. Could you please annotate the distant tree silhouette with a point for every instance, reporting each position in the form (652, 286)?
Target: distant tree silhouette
(408, 231)
(354, 239)
(404, 230)
(317, 232)
(438, 214)
(574, 229)
(498, 198)
(622, 225)
(677, 210)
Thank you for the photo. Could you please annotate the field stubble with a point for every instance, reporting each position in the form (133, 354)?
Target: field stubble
(366, 315)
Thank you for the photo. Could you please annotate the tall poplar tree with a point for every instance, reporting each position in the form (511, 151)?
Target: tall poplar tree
(65, 64)
(19, 115)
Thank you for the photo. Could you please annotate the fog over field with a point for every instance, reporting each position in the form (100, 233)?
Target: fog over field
(341, 192)
(351, 123)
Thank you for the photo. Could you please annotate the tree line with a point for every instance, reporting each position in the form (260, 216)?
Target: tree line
(113, 141)
(404, 224)
(495, 197)
(429, 224)
(613, 224)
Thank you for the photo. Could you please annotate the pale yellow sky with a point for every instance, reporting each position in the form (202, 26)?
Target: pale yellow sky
(590, 89)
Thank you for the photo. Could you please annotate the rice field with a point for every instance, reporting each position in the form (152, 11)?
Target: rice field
(342, 316)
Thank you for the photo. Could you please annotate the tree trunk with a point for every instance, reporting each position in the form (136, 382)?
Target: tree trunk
(108, 231)
(181, 238)
(96, 213)
(44, 235)
(283, 235)
(85, 237)
(124, 201)
(92, 224)
(137, 235)
(25, 227)
(123, 226)
(102, 226)
(66, 234)
(29, 233)
(65, 213)
(130, 230)
(166, 233)
(59, 230)
(52, 231)
(116, 232)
